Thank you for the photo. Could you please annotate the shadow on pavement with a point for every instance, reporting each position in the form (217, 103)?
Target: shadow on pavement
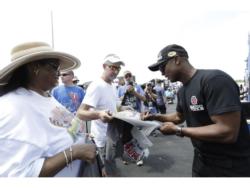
(159, 163)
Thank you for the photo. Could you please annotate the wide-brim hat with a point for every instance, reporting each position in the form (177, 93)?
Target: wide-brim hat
(28, 52)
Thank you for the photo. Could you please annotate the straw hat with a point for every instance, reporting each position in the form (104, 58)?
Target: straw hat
(31, 51)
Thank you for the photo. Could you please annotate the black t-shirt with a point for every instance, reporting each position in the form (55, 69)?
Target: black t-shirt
(129, 100)
(208, 93)
(149, 101)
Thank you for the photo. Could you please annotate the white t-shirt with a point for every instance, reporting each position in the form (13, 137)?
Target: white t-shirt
(28, 133)
(101, 96)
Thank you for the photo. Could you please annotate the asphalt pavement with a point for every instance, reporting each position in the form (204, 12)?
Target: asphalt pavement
(170, 156)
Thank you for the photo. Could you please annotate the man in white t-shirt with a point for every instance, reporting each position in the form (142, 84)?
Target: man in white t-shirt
(100, 102)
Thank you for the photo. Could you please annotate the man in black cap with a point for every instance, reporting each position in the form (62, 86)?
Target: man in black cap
(209, 103)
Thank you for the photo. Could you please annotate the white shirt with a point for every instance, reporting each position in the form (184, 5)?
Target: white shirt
(28, 133)
(101, 96)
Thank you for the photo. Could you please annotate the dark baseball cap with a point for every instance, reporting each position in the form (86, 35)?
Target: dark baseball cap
(168, 53)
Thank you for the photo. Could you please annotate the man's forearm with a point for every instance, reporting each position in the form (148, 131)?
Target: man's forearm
(87, 115)
(168, 118)
(141, 97)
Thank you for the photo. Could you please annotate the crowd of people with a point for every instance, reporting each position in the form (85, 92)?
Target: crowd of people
(43, 124)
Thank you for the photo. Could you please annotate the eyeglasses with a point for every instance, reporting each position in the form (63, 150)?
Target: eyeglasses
(128, 75)
(52, 63)
(162, 67)
(65, 74)
(114, 68)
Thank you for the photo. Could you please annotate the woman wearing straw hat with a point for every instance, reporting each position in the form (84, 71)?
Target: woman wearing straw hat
(33, 137)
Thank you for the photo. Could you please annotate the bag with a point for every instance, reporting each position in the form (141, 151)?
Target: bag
(90, 169)
(134, 151)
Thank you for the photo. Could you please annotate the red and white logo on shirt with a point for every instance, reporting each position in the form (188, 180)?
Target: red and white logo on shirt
(195, 106)
(194, 100)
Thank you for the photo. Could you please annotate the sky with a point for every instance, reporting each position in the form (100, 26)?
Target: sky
(214, 32)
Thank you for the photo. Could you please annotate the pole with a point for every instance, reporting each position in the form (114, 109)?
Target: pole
(52, 29)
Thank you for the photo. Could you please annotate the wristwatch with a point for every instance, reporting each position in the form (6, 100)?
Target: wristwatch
(179, 131)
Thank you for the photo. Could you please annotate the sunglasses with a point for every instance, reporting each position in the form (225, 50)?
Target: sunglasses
(162, 66)
(114, 68)
(128, 76)
(52, 63)
(65, 74)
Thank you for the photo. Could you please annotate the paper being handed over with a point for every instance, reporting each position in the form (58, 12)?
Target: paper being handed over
(133, 118)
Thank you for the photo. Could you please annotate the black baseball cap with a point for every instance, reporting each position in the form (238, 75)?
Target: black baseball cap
(168, 53)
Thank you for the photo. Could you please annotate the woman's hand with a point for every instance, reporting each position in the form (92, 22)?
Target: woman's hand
(86, 152)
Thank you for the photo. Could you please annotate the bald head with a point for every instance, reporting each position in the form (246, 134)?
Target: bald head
(67, 77)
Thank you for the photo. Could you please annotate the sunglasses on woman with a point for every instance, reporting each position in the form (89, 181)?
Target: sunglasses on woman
(64, 74)
(52, 63)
